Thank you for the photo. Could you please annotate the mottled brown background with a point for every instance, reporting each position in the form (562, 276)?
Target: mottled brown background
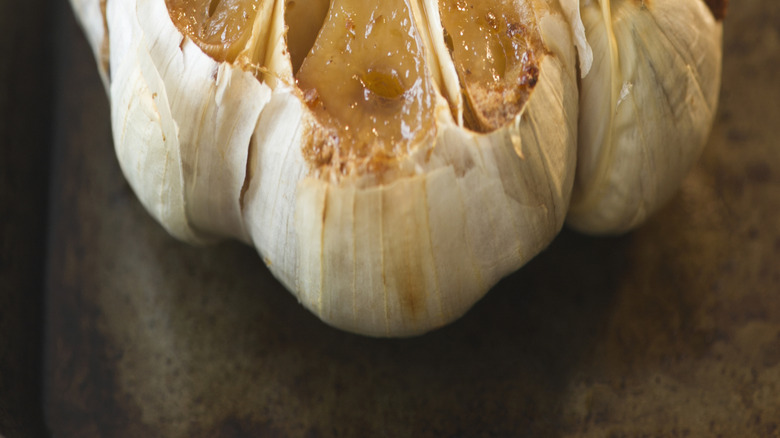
(672, 330)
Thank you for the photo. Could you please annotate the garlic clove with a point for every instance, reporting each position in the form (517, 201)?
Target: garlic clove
(646, 107)
(148, 151)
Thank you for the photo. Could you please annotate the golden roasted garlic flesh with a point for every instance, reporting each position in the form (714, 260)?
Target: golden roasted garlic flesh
(390, 160)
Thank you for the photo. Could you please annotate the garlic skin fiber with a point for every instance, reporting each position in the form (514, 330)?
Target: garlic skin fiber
(646, 107)
(390, 246)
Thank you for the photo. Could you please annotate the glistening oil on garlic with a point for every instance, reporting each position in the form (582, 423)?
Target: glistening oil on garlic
(495, 47)
(221, 28)
(366, 82)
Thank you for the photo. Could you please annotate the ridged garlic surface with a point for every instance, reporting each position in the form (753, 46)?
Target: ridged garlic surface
(646, 106)
(390, 161)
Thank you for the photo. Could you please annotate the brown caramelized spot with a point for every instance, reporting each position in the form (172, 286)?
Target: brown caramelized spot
(213, 7)
(496, 48)
(219, 27)
(718, 8)
(304, 18)
(366, 84)
(384, 85)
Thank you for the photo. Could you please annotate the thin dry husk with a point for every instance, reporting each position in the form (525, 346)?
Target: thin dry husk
(215, 150)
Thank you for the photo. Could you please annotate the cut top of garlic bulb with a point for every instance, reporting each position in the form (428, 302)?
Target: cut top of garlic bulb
(391, 161)
(367, 70)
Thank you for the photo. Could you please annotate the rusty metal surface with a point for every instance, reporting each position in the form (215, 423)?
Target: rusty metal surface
(672, 330)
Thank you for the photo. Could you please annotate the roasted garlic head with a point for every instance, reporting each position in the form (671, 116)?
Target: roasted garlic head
(390, 160)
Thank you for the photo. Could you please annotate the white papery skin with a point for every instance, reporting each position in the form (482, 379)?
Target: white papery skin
(214, 152)
(646, 107)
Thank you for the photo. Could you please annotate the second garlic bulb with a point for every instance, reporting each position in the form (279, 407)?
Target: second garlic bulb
(646, 107)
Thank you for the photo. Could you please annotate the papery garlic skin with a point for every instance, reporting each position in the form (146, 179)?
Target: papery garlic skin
(646, 107)
(214, 150)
